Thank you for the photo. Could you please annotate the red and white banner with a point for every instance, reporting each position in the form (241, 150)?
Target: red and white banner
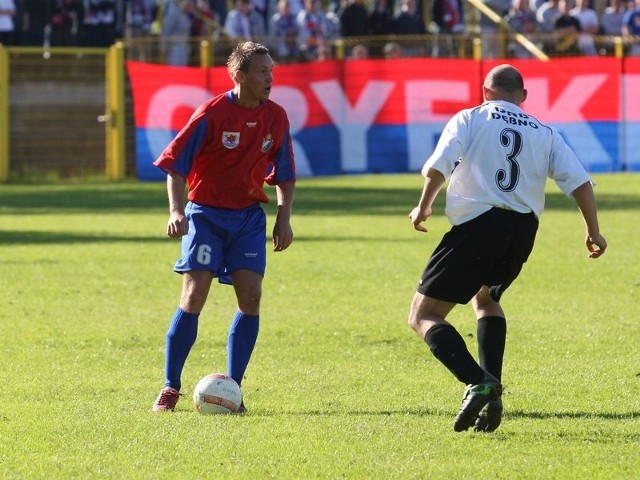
(386, 115)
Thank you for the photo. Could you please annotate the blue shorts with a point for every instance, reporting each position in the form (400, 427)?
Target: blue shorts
(223, 240)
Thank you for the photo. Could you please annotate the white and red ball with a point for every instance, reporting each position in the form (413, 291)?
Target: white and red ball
(217, 393)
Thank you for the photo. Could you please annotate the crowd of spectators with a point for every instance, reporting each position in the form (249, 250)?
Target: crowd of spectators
(306, 29)
(65, 23)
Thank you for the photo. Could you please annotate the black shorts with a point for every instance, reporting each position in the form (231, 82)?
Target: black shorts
(487, 250)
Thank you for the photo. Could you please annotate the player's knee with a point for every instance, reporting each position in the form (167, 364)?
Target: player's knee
(414, 320)
(415, 313)
(193, 300)
(192, 304)
(255, 295)
(249, 300)
(485, 305)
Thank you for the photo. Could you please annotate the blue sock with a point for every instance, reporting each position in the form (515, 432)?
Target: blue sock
(180, 338)
(243, 334)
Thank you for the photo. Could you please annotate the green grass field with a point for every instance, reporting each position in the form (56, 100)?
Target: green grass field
(338, 387)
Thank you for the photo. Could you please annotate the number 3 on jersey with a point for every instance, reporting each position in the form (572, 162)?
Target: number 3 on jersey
(511, 139)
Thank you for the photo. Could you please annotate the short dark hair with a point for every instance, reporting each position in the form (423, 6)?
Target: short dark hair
(505, 78)
(241, 56)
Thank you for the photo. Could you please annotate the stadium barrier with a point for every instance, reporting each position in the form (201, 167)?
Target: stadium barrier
(69, 112)
(63, 112)
(373, 116)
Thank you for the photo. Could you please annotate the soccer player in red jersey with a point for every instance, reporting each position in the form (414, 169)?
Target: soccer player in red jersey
(231, 145)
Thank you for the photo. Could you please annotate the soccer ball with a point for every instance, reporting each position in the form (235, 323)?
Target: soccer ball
(217, 393)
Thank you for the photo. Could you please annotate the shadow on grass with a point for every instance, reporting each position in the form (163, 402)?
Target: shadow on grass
(394, 202)
(415, 412)
(99, 198)
(426, 412)
(52, 238)
(310, 200)
(574, 415)
(47, 238)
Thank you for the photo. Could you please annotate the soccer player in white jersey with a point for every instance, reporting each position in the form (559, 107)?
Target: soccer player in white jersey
(497, 159)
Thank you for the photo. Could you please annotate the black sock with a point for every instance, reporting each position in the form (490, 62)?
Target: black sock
(449, 347)
(492, 335)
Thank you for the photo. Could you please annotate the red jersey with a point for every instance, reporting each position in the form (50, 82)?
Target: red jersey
(226, 152)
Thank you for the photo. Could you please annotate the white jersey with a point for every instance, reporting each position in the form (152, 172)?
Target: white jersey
(496, 155)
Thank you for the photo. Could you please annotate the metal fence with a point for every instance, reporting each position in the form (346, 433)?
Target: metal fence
(55, 100)
(503, 44)
(67, 112)
(57, 113)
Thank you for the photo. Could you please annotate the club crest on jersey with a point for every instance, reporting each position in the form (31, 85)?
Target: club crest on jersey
(267, 142)
(230, 139)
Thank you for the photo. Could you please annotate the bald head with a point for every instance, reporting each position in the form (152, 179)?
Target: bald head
(504, 82)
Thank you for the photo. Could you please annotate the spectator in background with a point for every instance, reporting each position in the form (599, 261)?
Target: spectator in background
(380, 23)
(567, 27)
(98, 27)
(203, 19)
(612, 17)
(7, 24)
(176, 29)
(296, 6)
(380, 20)
(333, 25)
(631, 26)
(392, 50)
(546, 16)
(36, 16)
(262, 7)
(283, 31)
(409, 21)
(589, 26)
(220, 10)
(359, 52)
(353, 19)
(244, 23)
(139, 16)
(611, 22)
(139, 22)
(489, 30)
(65, 21)
(522, 20)
(313, 29)
(324, 52)
(447, 15)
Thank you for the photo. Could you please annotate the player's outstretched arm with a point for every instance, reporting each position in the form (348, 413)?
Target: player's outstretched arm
(282, 231)
(433, 181)
(584, 197)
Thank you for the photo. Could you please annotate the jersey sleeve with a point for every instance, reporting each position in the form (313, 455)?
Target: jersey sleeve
(179, 154)
(565, 167)
(449, 148)
(282, 168)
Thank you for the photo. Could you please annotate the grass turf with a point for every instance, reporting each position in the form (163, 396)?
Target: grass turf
(338, 386)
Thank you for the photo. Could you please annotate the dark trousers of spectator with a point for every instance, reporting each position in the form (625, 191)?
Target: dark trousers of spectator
(97, 36)
(62, 37)
(34, 37)
(6, 38)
